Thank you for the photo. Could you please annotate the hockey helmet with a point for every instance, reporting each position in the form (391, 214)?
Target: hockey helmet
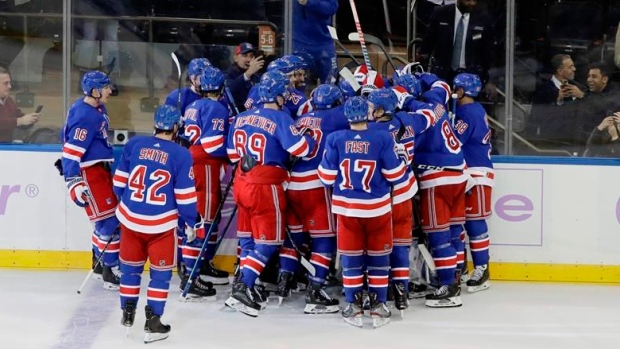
(282, 65)
(197, 65)
(385, 99)
(346, 88)
(356, 109)
(410, 83)
(470, 83)
(326, 96)
(272, 84)
(94, 80)
(211, 79)
(297, 61)
(166, 116)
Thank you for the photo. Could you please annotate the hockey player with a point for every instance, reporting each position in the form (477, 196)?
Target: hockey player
(404, 127)
(310, 204)
(294, 98)
(262, 140)
(361, 165)
(206, 126)
(155, 183)
(473, 131)
(190, 93)
(440, 168)
(86, 158)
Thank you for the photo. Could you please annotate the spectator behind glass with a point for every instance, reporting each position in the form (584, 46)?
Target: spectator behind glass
(473, 53)
(10, 116)
(310, 34)
(87, 50)
(555, 106)
(243, 73)
(601, 100)
(604, 140)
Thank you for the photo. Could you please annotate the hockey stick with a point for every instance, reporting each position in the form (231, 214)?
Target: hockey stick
(92, 270)
(453, 111)
(373, 40)
(346, 74)
(198, 264)
(360, 34)
(231, 99)
(175, 59)
(304, 262)
(334, 35)
(427, 257)
(221, 239)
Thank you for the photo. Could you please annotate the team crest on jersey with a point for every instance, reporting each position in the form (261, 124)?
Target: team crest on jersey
(312, 223)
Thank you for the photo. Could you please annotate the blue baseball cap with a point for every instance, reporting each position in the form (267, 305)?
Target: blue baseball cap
(244, 47)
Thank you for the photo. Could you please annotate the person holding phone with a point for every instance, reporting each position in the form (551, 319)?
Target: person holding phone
(604, 140)
(243, 73)
(10, 116)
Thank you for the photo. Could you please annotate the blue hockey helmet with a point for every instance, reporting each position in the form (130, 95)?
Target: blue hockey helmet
(94, 80)
(326, 96)
(356, 109)
(211, 79)
(410, 83)
(166, 116)
(272, 84)
(297, 61)
(197, 65)
(385, 99)
(307, 57)
(282, 65)
(346, 88)
(470, 83)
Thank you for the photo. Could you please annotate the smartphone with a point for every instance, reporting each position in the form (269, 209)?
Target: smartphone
(39, 108)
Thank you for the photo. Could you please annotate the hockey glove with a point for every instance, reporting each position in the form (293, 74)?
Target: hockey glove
(79, 191)
(402, 153)
(402, 95)
(197, 231)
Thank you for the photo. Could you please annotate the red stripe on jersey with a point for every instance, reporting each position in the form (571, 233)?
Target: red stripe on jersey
(303, 149)
(360, 206)
(460, 257)
(320, 260)
(149, 223)
(185, 196)
(479, 245)
(406, 188)
(396, 175)
(213, 145)
(119, 178)
(377, 281)
(441, 174)
(304, 179)
(253, 264)
(72, 152)
(400, 273)
(155, 293)
(326, 177)
(190, 252)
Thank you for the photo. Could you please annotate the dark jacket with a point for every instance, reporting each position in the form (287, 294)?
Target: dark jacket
(596, 106)
(479, 44)
(239, 88)
(600, 145)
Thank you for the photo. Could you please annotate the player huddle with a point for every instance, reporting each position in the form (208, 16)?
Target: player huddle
(355, 178)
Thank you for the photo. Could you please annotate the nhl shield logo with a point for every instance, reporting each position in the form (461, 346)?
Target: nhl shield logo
(162, 262)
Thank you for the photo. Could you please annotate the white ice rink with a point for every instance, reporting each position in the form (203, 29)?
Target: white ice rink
(42, 310)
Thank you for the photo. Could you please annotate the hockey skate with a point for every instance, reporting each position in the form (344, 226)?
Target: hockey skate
(129, 314)
(417, 290)
(154, 330)
(198, 291)
(319, 302)
(445, 297)
(479, 280)
(352, 314)
(286, 281)
(209, 273)
(379, 312)
(111, 278)
(400, 298)
(261, 295)
(97, 268)
(242, 300)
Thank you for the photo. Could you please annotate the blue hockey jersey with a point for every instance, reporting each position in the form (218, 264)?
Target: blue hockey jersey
(322, 122)
(155, 183)
(188, 96)
(472, 129)
(206, 124)
(361, 165)
(293, 102)
(438, 156)
(269, 136)
(404, 128)
(85, 138)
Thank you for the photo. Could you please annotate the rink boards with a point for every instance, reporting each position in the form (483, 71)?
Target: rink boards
(553, 219)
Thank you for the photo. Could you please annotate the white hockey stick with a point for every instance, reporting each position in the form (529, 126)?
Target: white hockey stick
(427, 257)
(334, 35)
(346, 74)
(175, 59)
(92, 270)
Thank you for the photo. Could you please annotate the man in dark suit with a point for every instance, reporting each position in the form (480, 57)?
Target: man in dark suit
(460, 39)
